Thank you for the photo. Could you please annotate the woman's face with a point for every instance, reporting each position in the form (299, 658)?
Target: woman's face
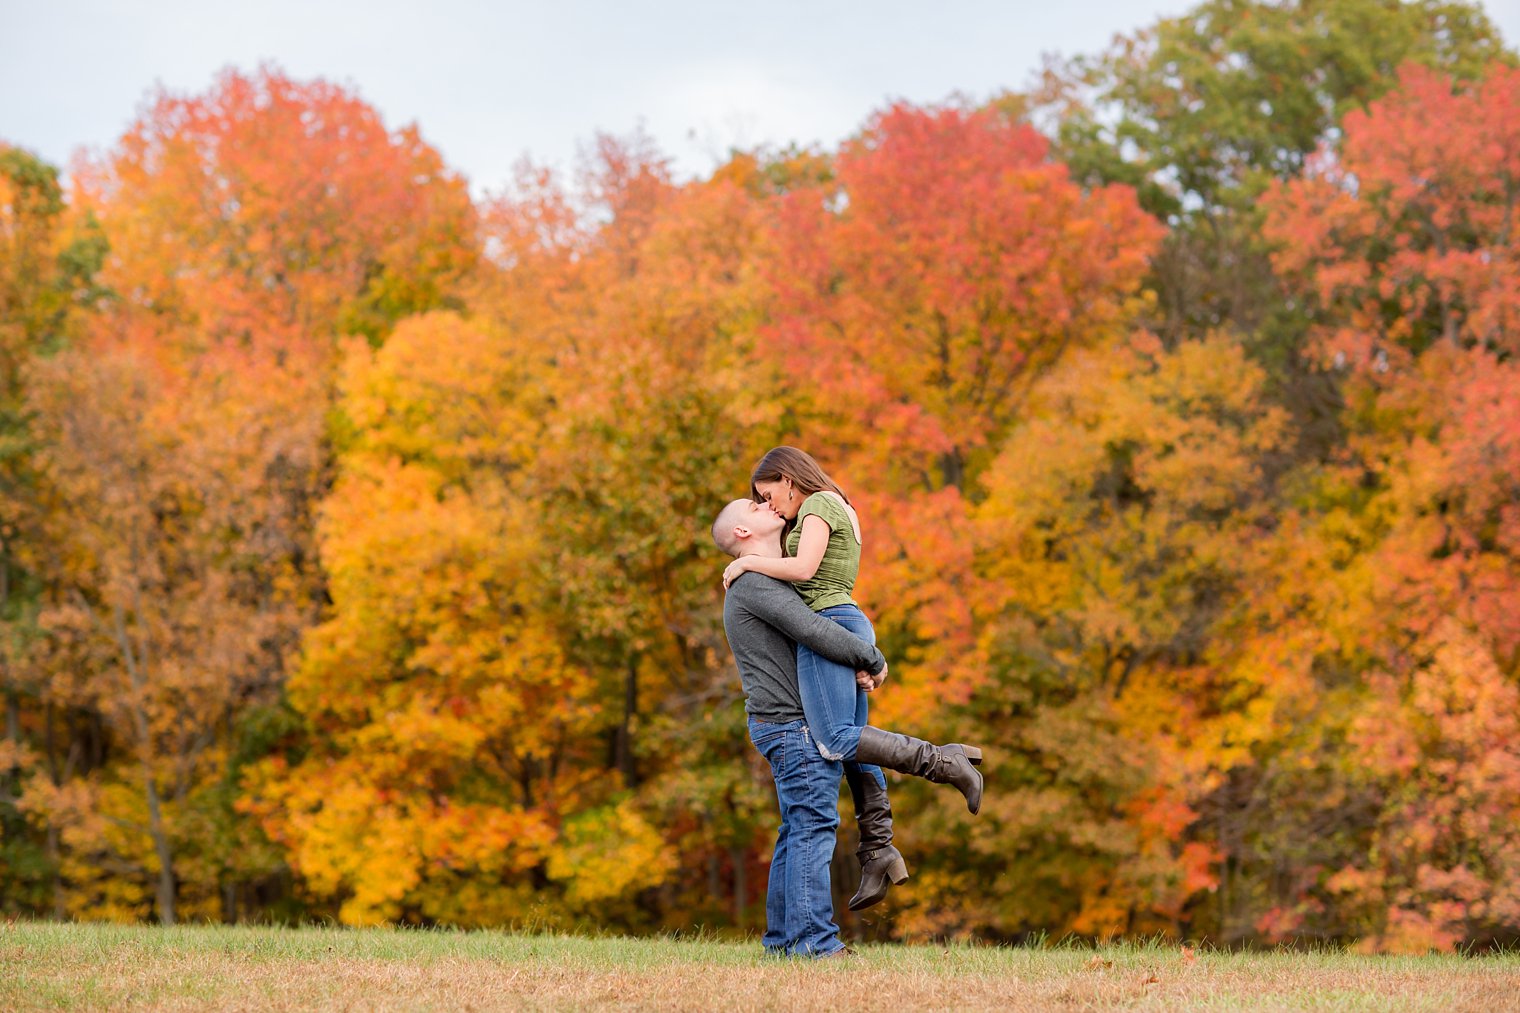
(782, 496)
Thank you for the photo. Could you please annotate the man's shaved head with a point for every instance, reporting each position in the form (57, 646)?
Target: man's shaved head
(730, 517)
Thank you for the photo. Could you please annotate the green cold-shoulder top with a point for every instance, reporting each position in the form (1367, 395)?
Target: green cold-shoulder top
(834, 583)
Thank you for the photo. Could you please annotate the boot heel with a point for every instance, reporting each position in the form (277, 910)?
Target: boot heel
(974, 754)
(897, 872)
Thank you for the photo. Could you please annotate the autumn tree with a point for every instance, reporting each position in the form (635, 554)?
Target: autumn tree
(921, 291)
(1401, 241)
(270, 211)
(448, 732)
(1110, 541)
(924, 288)
(668, 409)
(658, 295)
(555, 454)
(1203, 111)
(47, 263)
(249, 228)
(159, 617)
(1200, 112)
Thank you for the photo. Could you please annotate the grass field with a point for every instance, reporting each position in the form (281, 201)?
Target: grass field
(52, 966)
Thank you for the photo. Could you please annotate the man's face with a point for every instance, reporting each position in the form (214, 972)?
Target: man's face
(762, 521)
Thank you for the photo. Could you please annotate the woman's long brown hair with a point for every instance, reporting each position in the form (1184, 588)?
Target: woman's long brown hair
(804, 472)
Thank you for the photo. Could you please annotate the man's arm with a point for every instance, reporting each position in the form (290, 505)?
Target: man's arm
(778, 605)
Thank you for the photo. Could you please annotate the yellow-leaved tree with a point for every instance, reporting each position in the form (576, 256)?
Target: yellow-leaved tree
(451, 766)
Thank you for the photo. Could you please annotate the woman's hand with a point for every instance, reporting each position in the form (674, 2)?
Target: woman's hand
(732, 570)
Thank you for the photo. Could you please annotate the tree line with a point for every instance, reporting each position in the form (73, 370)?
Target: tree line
(353, 547)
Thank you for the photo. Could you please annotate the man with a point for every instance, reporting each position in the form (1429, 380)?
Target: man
(764, 619)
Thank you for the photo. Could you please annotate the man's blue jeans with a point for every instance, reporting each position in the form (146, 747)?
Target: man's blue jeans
(799, 906)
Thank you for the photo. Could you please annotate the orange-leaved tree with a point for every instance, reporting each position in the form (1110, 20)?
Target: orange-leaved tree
(249, 227)
(449, 739)
(1110, 545)
(48, 258)
(1402, 240)
(922, 283)
(649, 310)
(921, 290)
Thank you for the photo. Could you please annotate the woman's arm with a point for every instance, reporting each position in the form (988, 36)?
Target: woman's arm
(802, 566)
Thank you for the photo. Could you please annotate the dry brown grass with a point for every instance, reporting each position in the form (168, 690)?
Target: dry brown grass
(97, 967)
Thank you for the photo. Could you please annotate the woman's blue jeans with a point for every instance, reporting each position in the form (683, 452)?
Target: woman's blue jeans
(799, 906)
(836, 708)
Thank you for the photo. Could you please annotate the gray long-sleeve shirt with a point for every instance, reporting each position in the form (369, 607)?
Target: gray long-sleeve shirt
(765, 620)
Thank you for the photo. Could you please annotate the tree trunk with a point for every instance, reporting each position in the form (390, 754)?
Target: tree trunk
(13, 732)
(952, 469)
(12, 783)
(57, 773)
(161, 846)
(738, 859)
(624, 744)
(135, 661)
(55, 859)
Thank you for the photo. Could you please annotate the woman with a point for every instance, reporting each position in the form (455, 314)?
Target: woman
(822, 542)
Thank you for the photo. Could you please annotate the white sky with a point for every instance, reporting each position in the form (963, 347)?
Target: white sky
(489, 82)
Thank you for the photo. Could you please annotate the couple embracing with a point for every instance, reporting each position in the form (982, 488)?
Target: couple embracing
(807, 660)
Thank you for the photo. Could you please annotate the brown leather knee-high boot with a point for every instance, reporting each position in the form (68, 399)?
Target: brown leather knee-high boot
(881, 864)
(953, 764)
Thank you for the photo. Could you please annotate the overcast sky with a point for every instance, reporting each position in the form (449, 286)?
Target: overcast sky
(490, 82)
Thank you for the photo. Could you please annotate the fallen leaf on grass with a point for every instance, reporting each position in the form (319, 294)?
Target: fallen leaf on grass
(1149, 979)
(1188, 956)
(1098, 962)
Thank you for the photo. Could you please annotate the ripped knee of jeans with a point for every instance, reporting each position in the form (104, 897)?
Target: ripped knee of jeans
(824, 750)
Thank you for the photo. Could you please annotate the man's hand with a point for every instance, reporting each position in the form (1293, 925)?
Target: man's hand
(871, 683)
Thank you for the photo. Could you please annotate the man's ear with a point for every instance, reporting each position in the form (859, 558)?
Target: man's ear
(741, 532)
